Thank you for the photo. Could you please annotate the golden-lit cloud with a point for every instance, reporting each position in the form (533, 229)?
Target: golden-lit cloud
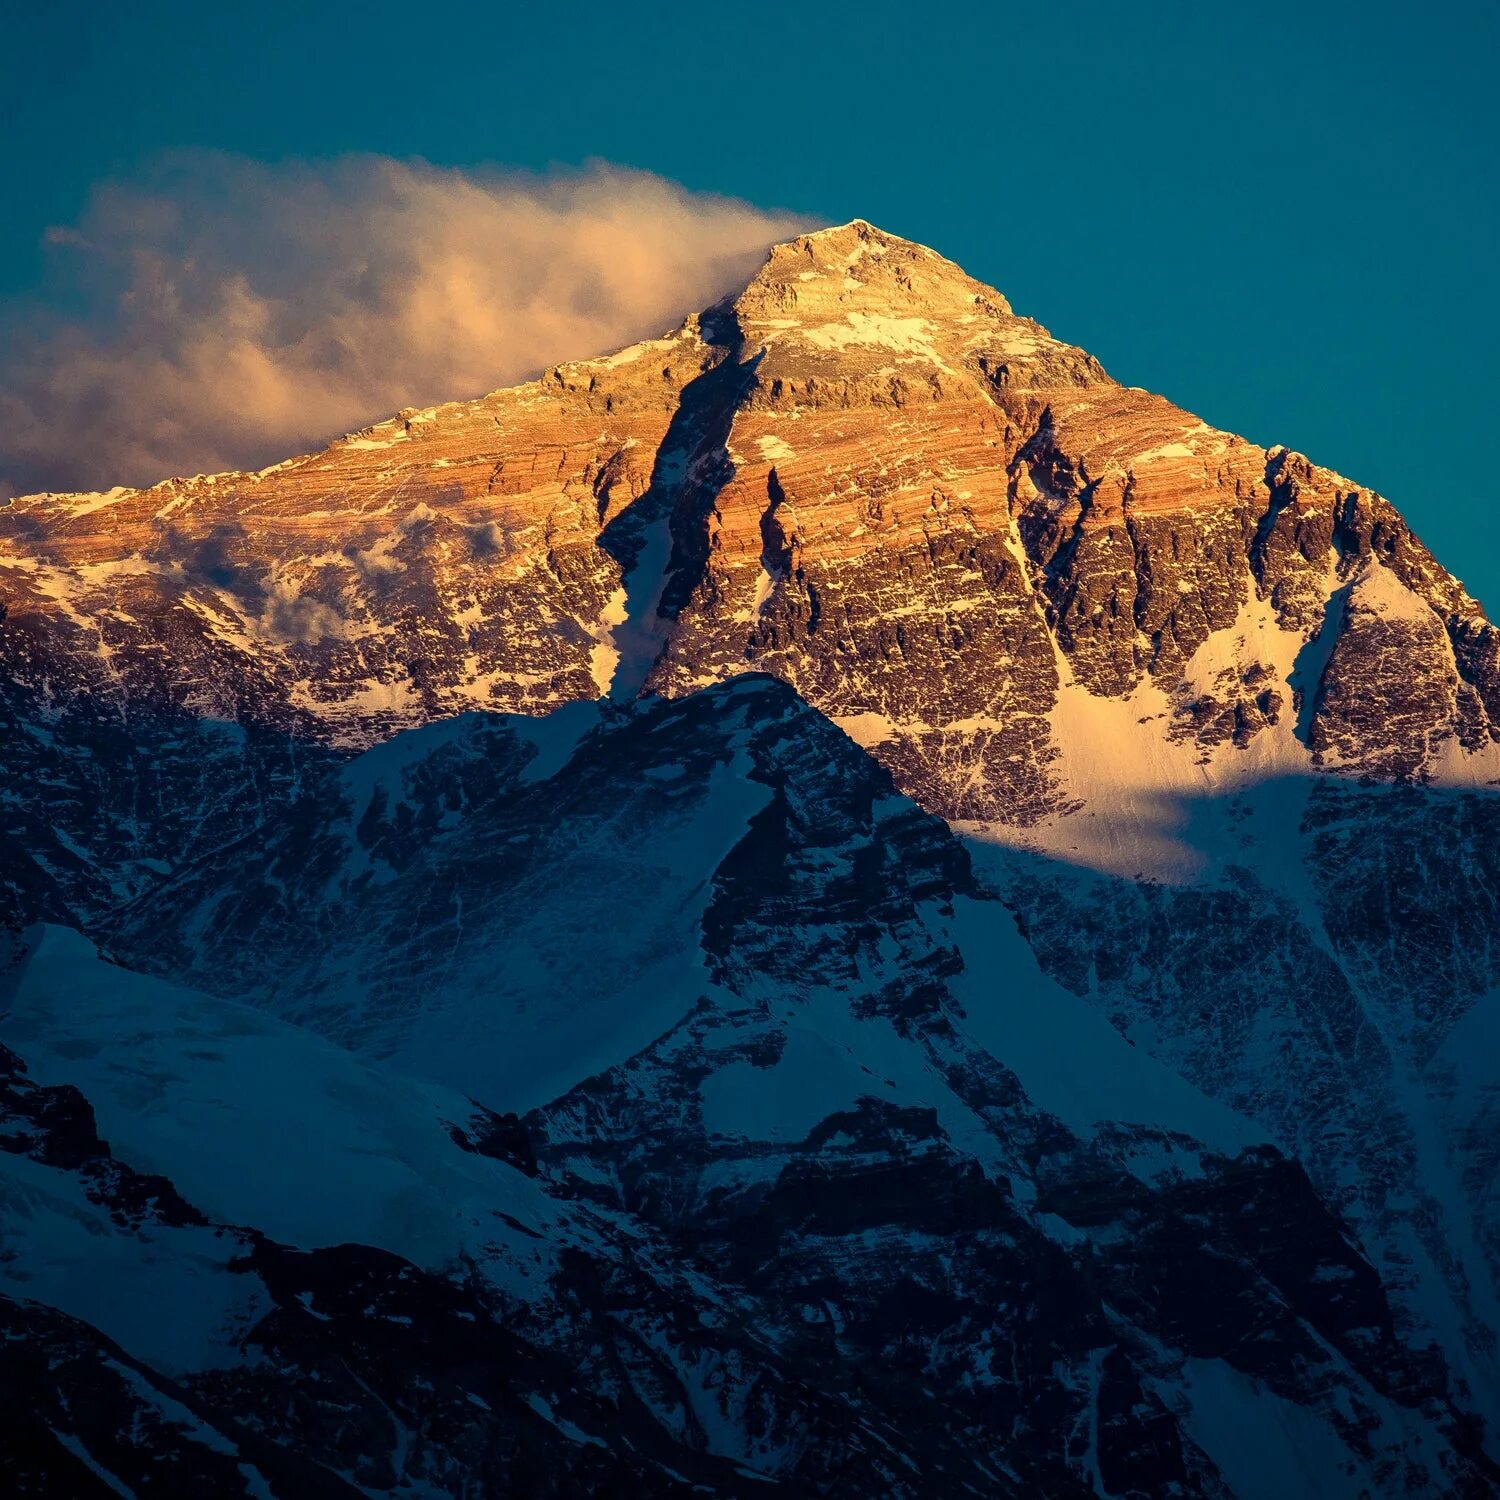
(222, 313)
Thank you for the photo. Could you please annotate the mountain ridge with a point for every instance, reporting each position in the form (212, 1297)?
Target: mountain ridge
(959, 900)
(1070, 530)
(874, 1115)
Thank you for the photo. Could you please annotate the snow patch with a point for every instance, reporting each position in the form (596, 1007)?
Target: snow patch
(911, 336)
(773, 449)
(1071, 1061)
(633, 631)
(1266, 1447)
(867, 729)
(257, 1122)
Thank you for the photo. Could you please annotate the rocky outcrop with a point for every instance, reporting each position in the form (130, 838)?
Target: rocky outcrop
(445, 559)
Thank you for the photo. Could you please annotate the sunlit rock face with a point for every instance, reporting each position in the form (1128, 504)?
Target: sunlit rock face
(863, 473)
(836, 903)
(444, 559)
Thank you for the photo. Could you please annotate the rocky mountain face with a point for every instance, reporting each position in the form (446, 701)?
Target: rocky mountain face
(863, 474)
(832, 903)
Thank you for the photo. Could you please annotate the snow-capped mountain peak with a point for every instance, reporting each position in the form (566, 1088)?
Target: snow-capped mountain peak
(833, 902)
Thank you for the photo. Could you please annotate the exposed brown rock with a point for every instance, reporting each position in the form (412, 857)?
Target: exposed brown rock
(880, 484)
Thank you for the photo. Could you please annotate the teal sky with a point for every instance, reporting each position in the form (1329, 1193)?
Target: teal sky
(1282, 216)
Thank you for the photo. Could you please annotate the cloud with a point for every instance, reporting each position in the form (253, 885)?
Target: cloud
(223, 313)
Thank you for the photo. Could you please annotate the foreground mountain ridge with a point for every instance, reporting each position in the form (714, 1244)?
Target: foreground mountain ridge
(1072, 1077)
(877, 1208)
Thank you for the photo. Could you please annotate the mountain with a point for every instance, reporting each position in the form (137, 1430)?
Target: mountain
(882, 913)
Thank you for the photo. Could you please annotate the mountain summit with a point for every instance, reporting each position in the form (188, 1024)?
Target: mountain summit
(829, 903)
(863, 473)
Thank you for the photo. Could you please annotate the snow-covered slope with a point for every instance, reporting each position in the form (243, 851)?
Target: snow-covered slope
(846, 1085)
(400, 1306)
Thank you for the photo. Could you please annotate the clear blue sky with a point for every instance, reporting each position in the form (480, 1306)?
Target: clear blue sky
(1282, 216)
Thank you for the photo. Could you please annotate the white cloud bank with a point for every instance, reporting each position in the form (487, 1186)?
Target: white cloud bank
(223, 313)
